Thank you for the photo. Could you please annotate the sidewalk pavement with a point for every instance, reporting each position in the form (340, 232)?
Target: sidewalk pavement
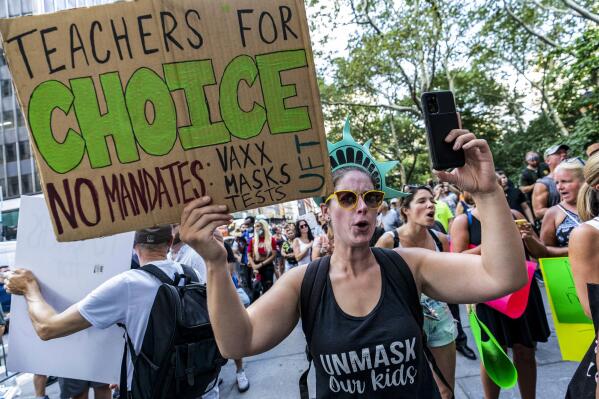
(275, 374)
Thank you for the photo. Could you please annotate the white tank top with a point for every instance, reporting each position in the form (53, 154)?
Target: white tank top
(306, 259)
(594, 222)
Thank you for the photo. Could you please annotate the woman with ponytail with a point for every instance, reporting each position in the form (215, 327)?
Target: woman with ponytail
(584, 259)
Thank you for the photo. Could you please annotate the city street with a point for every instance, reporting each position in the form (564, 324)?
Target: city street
(275, 374)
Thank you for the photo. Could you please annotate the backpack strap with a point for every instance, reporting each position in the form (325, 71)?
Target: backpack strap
(310, 295)
(159, 274)
(123, 389)
(399, 271)
(469, 214)
(436, 239)
(190, 274)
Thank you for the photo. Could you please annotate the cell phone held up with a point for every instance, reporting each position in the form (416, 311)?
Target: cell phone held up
(441, 117)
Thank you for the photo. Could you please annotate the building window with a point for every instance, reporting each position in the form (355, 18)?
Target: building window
(38, 186)
(27, 7)
(7, 119)
(11, 152)
(14, 8)
(26, 184)
(5, 87)
(24, 150)
(13, 186)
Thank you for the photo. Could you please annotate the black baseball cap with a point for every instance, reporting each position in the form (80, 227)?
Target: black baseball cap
(154, 235)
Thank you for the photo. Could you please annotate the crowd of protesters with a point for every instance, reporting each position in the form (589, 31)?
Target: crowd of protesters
(546, 208)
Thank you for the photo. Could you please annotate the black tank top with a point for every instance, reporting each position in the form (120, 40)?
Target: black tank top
(376, 356)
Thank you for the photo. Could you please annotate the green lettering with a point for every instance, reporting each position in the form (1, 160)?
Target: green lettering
(280, 118)
(191, 77)
(240, 123)
(95, 127)
(159, 136)
(61, 157)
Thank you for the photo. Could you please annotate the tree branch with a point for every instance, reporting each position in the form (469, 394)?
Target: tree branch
(530, 30)
(585, 13)
(553, 9)
(393, 107)
(368, 21)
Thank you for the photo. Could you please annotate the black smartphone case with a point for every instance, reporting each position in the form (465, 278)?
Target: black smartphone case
(438, 126)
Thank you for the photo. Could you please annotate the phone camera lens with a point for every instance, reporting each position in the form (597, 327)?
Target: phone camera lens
(432, 105)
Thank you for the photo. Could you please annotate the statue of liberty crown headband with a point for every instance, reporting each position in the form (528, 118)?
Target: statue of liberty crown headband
(348, 153)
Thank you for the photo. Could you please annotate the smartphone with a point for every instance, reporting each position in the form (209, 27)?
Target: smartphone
(441, 117)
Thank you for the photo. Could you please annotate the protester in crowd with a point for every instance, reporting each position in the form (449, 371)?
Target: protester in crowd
(279, 260)
(40, 382)
(239, 248)
(515, 198)
(302, 243)
(535, 170)
(388, 219)
(447, 194)
(262, 250)
(287, 248)
(320, 229)
(126, 298)
(592, 149)
(584, 259)
(418, 214)
(521, 334)
(243, 383)
(443, 213)
(360, 309)
(183, 254)
(466, 202)
(545, 194)
(562, 218)
(4, 296)
(323, 244)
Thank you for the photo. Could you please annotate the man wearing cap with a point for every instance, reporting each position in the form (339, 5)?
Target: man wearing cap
(545, 194)
(126, 298)
(535, 170)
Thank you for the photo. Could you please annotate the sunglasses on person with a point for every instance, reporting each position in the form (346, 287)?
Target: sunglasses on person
(348, 199)
(301, 226)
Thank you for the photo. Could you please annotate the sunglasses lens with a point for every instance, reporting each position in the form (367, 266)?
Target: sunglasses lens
(346, 199)
(373, 199)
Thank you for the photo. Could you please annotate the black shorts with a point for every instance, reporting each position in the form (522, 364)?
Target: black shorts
(70, 387)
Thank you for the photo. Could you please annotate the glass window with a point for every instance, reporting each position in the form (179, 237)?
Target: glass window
(26, 184)
(3, 8)
(11, 152)
(20, 120)
(2, 59)
(14, 8)
(27, 7)
(7, 119)
(38, 186)
(5, 88)
(13, 186)
(24, 150)
(49, 6)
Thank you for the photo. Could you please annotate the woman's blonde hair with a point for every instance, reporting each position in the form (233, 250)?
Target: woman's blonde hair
(267, 239)
(588, 196)
(574, 166)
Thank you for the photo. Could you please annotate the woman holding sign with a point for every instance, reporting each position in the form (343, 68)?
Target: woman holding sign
(584, 259)
(366, 338)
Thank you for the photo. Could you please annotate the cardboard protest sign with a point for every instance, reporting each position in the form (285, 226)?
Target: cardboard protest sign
(66, 273)
(134, 109)
(573, 329)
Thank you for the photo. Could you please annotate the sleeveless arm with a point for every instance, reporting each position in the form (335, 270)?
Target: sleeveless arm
(584, 259)
(244, 332)
(540, 194)
(548, 231)
(386, 241)
(464, 278)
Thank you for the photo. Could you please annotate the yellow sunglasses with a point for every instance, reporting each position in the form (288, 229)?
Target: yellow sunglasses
(348, 199)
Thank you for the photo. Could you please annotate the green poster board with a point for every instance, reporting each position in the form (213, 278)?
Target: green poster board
(560, 285)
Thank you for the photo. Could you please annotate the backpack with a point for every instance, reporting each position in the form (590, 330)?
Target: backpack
(179, 357)
(313, 287)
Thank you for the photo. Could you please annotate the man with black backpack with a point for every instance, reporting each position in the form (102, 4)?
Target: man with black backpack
(170, 350)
